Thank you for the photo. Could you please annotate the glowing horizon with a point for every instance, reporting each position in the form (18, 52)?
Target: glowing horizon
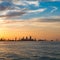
(39, 19)
(39, 30)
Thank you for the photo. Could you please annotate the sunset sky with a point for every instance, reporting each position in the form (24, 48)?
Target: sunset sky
(37, 18)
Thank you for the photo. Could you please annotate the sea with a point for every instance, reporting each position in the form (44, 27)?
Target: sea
(29, 50)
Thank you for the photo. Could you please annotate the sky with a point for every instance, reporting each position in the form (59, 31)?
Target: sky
(37, 18)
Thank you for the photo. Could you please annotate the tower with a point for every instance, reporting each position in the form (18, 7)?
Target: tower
(30, 38)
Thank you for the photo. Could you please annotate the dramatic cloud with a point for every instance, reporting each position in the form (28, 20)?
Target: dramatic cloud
(13, 14)
(13, 8)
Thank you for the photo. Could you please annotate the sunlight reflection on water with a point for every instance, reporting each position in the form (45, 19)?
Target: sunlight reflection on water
(25, 50)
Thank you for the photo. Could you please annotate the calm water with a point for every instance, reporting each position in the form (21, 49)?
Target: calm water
(26, 50)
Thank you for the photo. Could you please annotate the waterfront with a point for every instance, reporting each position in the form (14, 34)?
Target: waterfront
(29, 50)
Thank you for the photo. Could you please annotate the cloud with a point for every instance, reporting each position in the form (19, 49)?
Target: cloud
(14, 8)
(15, 13)
(52, 19)
(19, 2)
(31, 23)
(49, 20)
(26, 2)
(12, 14)
(54, 9)
(39, 10)
(36, 2)
(49, 0)
(46, 20)
(55, 0)
(6, 6)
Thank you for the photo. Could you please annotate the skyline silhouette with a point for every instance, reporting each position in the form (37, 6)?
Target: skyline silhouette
(26, 39)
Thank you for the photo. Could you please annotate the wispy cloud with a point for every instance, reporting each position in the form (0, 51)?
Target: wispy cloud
(31, 23)
(36, 2)
(35, 20)
(13, 14)
(15, 8)
(54, 9)
(49, 0)
(39, 10)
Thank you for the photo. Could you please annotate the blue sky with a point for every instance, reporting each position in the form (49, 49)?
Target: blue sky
(29, 8)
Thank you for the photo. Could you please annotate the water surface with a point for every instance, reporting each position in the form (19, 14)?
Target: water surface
(29, 50)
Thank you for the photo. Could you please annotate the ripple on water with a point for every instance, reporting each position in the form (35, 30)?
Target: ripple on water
(12, 56)
(29, 51)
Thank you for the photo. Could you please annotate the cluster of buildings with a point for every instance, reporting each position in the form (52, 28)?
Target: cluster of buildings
(27, 39)
(24, 39)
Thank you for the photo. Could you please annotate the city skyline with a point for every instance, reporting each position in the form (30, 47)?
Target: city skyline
(26, 38)
(36, 18)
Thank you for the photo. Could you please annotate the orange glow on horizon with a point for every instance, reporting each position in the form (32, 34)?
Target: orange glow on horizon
(11, 34)
(38, 30)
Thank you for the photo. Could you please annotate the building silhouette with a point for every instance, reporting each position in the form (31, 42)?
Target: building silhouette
(25, 39)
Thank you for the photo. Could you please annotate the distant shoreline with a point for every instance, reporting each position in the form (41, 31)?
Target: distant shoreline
(29, 41)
